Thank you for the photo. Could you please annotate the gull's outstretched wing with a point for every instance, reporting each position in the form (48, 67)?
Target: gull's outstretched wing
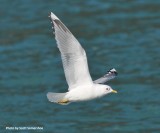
(73, 55)
(112, 73)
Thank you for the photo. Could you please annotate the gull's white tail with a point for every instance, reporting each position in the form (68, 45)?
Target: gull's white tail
(57, 98)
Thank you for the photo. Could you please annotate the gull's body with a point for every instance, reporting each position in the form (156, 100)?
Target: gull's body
(81, 87)
(86, 92)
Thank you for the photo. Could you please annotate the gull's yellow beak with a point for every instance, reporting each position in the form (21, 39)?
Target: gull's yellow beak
(114, 91)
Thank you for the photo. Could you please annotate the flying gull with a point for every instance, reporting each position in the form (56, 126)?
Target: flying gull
(74, 60)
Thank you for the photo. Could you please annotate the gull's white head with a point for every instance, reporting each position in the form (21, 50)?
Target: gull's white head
(110, 90)
(106, 89)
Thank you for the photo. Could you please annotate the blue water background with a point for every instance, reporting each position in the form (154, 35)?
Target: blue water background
(121, 34)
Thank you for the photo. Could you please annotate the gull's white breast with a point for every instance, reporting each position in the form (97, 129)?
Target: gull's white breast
(84, 93)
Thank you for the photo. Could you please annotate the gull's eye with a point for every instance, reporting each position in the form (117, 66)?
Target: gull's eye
(107, 89)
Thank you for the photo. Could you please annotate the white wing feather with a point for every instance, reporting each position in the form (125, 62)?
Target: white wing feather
(73, 55)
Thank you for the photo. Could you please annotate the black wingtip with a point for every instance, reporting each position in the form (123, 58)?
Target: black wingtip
(113, 71)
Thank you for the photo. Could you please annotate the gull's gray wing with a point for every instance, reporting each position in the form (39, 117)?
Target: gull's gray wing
(73, 55)
(112, 73)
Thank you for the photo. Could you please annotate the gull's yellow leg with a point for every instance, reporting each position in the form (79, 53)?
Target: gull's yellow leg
(63, 101)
